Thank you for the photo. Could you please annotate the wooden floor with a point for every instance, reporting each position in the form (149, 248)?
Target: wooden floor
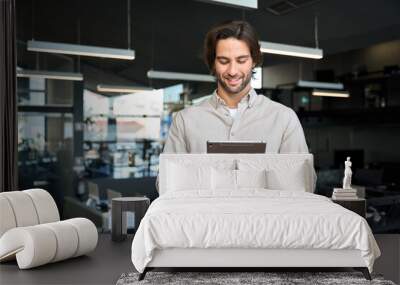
(103, 266)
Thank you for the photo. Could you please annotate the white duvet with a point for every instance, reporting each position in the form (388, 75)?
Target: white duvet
(255, 218)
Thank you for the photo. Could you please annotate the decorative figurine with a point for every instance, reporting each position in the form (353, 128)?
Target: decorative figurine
(347, 174)
(345, 193)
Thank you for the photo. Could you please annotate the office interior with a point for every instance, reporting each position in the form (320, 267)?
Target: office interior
(91, 128)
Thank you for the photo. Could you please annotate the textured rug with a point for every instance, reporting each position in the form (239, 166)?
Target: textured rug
(243, 278)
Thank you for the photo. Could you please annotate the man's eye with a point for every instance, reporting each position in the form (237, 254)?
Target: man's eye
(223, 62)
(242, 61)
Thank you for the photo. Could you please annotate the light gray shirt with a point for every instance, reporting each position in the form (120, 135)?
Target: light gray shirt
(257, 119)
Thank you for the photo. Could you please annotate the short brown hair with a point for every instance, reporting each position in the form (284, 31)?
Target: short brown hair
(240, 30)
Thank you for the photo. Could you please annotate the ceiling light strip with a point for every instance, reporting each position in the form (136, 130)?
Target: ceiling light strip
(320, 84)
(82, 50)
(252, 4)
(50, 75)
(121, 89)
(155, 74)
(328, 93)
(291, 50)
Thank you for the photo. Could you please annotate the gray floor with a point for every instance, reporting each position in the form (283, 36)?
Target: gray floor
(102, 266)
(111, 259)
(389, 263)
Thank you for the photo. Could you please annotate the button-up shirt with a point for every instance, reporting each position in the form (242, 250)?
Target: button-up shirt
(257, 119)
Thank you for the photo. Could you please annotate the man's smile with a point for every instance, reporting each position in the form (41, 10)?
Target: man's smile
(233, 81)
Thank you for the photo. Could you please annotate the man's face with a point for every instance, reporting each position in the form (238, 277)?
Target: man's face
(233, 65)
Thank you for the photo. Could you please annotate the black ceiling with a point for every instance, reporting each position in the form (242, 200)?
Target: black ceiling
(168, 35)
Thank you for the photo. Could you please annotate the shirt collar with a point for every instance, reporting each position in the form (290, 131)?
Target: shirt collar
(249, 99)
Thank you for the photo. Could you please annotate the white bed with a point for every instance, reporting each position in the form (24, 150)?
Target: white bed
(240, 210)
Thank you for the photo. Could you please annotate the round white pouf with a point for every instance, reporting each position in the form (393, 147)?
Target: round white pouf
(33, 246)
(40, 244)
(31, 232)
(67, 240)
(46, 208)
(7, 218)
(87, 235)
(23, 208)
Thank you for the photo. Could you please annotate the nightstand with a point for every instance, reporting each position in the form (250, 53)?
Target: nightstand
(119, 207)
(357, 205)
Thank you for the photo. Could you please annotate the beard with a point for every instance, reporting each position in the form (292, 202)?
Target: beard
(234, 90)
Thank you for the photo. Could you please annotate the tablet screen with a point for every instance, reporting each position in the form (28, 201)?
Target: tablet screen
(236, 146)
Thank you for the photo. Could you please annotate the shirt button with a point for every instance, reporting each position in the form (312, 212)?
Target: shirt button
(232, 133)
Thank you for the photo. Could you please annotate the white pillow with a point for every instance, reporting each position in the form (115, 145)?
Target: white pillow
(281, 174)
(183, 177)
(223, 179)
(251, 178)
(293, 177)
(229, 179)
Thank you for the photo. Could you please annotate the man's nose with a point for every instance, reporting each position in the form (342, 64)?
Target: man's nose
(232, 69)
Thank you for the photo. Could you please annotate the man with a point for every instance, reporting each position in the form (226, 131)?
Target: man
(234, 111)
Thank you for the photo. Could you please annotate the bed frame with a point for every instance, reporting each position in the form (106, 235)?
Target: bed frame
(242, 259)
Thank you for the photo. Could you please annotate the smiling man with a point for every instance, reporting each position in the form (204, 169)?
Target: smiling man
(235, 112)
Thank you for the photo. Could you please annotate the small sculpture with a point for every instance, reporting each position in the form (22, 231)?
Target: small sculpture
(347, 174)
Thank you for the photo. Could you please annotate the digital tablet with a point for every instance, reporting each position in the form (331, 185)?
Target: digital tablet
(236, 146)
